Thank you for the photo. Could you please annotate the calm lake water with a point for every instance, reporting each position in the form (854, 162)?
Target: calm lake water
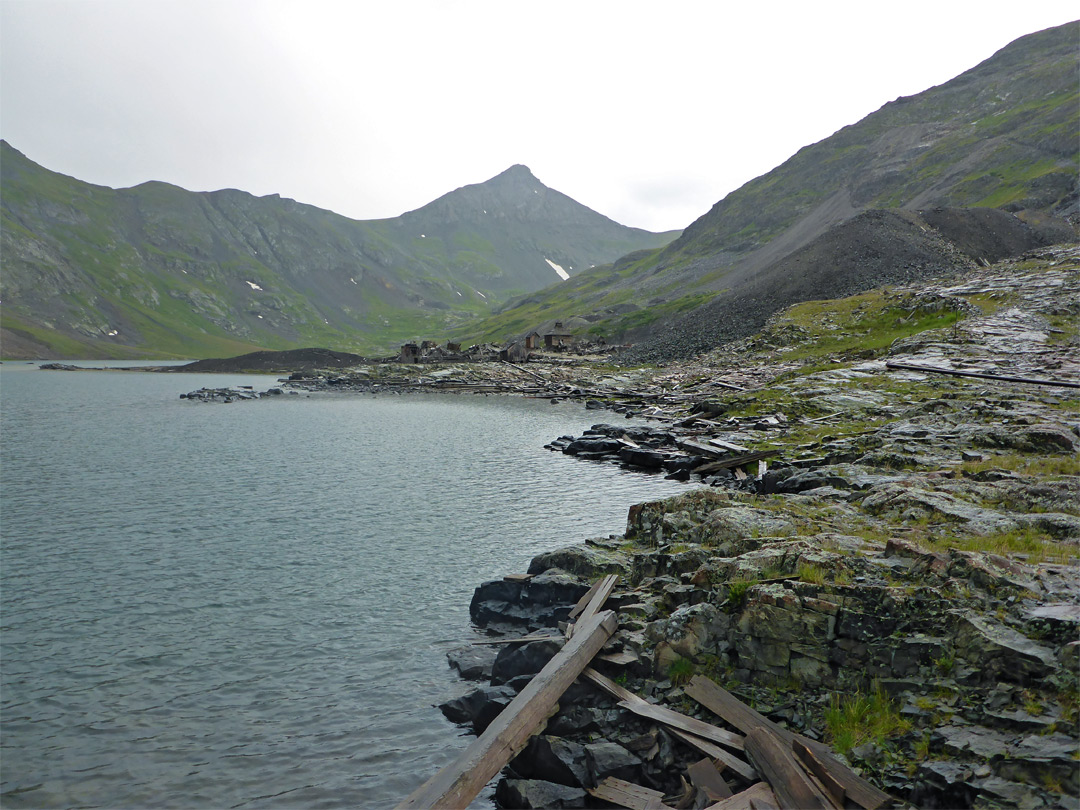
(250, 605)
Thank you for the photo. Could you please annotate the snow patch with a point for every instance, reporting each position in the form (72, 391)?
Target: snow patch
(423, 236)
(562, 273)
(480, 294)
(112, 333)
(459, 294)
(353, 280)
(259, 317)
(253, 285)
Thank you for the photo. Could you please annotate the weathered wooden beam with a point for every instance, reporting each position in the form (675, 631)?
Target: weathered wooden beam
(734, 461)
(711, 749)
(706, 778)
(833, 789)
(627, 794)
(755, 797)
(728, 707)
(518, 639)
(778, 766)
(981, 375)
(662, 714)
(734, 448)
(457, 784)
(604, 585)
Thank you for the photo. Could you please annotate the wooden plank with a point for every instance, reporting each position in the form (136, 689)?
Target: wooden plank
(755, 797)
(706, 778)
(711, 749)
(833, 789)
(734, 448)
(732, 710)
(777, 765)
(980, 375)
(734, 461)
(668, 717)
(457, 784)
(627, 794)
(700, 449)
(609, 686)
(517, 639)
(584, 600)
(603, 591)
(620, 659)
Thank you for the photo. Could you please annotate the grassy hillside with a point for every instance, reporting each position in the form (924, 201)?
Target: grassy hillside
(1004, 135)
(156, 270)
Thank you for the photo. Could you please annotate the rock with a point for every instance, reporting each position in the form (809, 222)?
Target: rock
(553, 759)
(646, 459)
(479, 706)
(737, 528)
(573, 720)
(531, 793)
(474, 662)
(978, 741)
(999, 652)
(689, 629)
(515, 660)
(997, 792)
(611, 759)
(498, 590)
(583, 561)
(602, 446)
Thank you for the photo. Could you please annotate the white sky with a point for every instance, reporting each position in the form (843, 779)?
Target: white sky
(648, 112)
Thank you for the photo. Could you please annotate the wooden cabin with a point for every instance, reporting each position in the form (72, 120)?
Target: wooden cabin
(558, 336)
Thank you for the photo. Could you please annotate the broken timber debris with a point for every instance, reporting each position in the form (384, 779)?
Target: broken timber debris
(980, 375)
(732, 710)
(627, 794)
(798, 773)
(458, 783)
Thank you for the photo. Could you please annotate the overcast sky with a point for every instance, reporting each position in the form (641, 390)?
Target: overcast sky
(648, 112)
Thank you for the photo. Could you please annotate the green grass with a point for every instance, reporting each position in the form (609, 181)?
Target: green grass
(852, 720)
(1035, 544)
(680, 671)
(868, 323)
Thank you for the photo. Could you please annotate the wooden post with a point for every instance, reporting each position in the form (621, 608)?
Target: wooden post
(458, 783)
(778, 766)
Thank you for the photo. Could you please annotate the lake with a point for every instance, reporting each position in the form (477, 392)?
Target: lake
(250, 605)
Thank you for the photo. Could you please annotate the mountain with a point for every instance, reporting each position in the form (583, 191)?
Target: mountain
(1003, 135)
(90, 271)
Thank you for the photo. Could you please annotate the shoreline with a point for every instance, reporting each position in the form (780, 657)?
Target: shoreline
(901, 582)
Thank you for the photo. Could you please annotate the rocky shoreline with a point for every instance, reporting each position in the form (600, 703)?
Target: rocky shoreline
(882, 557)
(899, 578)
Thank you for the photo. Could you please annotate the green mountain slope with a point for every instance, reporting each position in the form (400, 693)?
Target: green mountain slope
(1004, 134)
(155, 270)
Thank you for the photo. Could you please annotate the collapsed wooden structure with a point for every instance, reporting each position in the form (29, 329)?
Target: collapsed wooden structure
(785, 770)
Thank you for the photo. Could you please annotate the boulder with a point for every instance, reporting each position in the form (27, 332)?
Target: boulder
(473, 663)
(737, 528)
(611, 759)
(479, 707)
(532, 793)
(553, 759)
(999, 652)
(583, 561)
(516, 660)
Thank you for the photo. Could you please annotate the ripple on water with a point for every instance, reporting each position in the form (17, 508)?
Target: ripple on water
(251, 605)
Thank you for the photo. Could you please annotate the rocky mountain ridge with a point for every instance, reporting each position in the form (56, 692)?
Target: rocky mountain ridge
(93, 271)
(999, 136)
